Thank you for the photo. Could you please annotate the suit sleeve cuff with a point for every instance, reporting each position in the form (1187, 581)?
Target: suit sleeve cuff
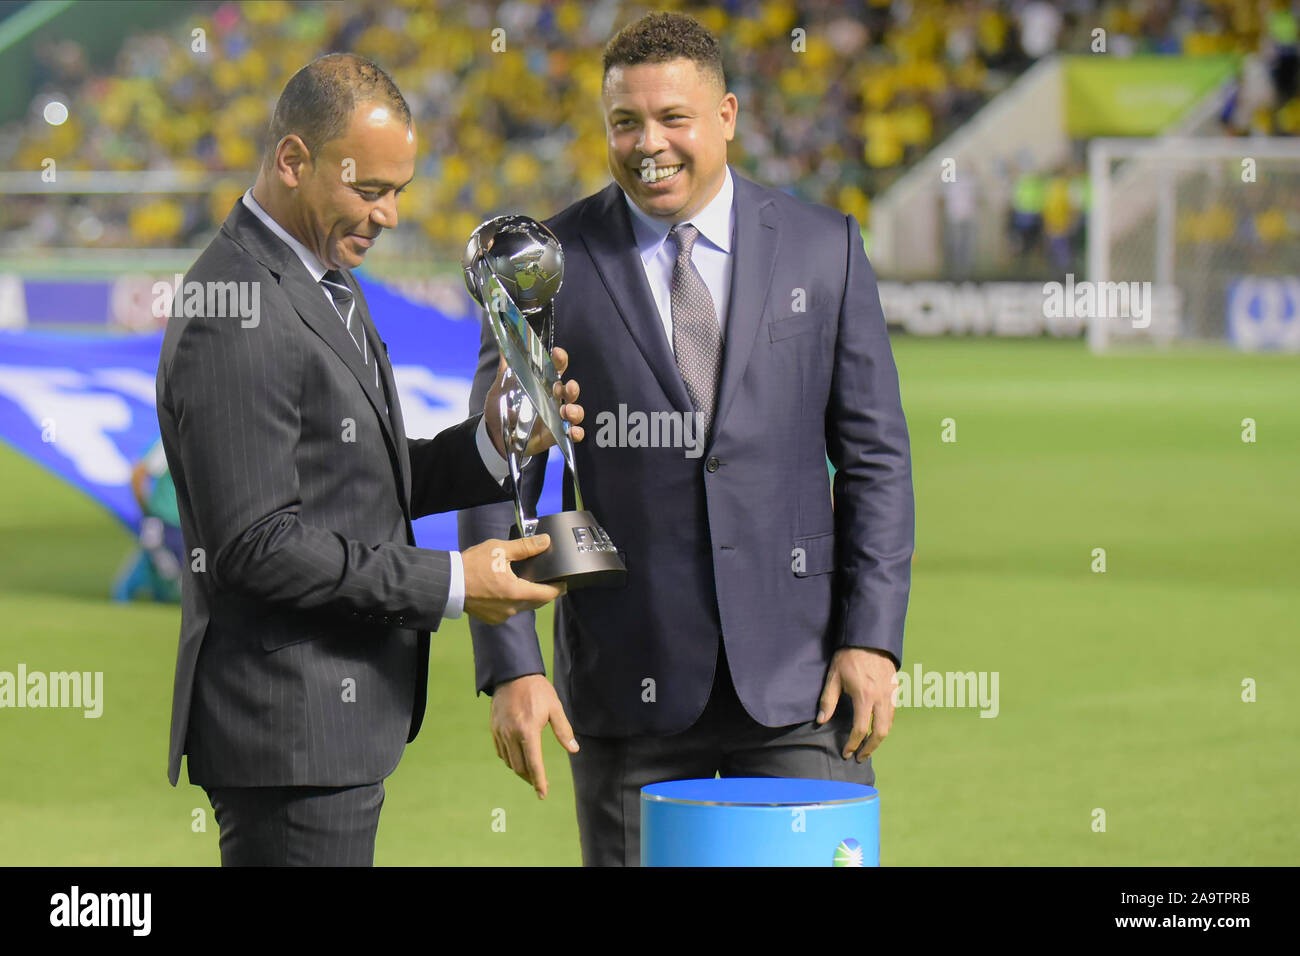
(456, 590)
(497, 466)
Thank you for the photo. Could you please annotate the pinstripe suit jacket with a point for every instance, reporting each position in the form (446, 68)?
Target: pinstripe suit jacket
(306, 607)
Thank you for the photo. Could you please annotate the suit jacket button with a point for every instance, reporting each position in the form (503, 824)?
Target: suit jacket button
(712, 464)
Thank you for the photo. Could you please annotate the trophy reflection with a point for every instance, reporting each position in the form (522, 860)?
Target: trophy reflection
(514, 266)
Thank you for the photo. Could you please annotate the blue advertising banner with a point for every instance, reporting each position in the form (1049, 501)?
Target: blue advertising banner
(1264, 313)
(82, 406)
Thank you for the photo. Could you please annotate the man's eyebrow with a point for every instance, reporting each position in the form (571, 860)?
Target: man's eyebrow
(382, 182)
(671, 108)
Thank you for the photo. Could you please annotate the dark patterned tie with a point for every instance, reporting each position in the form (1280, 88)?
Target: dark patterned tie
(346, 306)
(697, 340)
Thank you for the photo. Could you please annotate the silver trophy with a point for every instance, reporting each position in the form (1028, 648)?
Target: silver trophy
(514, 266)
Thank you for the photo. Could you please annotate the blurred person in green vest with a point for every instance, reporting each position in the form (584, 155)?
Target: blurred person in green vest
(1283, 36)
(1059, 216)
(1027, 197)
(153, 570)
(1081, 201)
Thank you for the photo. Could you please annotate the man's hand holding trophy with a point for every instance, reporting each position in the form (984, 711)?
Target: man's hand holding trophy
(513, 267)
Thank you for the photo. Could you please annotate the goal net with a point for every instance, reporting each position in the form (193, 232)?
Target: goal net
(1210, 228)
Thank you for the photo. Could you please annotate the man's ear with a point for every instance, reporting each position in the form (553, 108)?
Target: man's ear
(727, 111)
(291, 155)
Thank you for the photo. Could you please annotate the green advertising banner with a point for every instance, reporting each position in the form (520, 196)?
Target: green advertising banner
(1137, 96)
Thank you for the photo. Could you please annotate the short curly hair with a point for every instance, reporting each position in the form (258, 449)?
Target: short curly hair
(660, 37)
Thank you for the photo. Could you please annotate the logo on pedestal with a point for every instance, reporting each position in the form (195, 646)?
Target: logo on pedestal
(848, 853)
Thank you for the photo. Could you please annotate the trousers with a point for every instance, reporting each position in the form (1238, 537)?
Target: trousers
(609, 772)
(297, 826)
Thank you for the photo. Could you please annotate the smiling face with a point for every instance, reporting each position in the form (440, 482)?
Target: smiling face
(342, 202)
(672, 118)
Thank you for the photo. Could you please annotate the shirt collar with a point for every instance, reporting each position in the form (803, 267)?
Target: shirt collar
(306, 255)
(713, 222)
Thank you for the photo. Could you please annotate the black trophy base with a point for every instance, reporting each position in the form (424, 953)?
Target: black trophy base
(581, 554)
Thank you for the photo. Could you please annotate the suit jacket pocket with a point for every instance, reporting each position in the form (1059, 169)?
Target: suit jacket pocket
(813, 554)
(282, 627)
(796, 324)
(275, 638)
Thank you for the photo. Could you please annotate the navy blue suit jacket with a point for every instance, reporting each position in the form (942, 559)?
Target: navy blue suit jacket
(741, 541)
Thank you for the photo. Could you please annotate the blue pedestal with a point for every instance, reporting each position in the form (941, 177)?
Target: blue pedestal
(759, 821)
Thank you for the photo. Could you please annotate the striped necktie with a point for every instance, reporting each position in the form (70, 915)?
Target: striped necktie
(697, 340)
(346, 306)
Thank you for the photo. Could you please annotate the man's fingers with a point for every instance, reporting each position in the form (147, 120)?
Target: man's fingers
(527, 592)
(526, 547)
(882, 719)
(515, 756)
(861, 727)
(496, 743)
(567, 391)
(830, 697)
(560, 358)
(535, 595)
(533, 765)
(563, 731)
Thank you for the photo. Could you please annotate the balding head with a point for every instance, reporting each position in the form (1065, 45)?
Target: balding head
(318, 102)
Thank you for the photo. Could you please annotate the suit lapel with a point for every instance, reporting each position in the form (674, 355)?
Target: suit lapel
(389, 381)
(752, 261)
(311, 303)
(607, 234)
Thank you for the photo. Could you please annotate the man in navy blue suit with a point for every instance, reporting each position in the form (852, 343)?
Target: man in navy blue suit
(729, 339)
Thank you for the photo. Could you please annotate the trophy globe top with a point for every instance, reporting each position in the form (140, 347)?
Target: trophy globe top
(523, 254)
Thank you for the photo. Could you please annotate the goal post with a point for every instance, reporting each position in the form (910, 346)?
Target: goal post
(1213, 224)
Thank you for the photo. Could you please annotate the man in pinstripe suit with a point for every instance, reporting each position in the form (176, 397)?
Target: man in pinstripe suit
(303, 660)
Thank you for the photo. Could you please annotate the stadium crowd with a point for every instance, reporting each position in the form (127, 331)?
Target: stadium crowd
(837, 99)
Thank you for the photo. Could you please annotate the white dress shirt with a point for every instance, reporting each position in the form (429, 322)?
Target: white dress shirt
(492, 460)
(711, 254)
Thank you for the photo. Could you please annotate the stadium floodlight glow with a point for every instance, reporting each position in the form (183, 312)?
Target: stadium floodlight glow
(55, 113)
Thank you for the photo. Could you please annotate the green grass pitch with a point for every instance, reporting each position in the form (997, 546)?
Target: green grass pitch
(1119, 691)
